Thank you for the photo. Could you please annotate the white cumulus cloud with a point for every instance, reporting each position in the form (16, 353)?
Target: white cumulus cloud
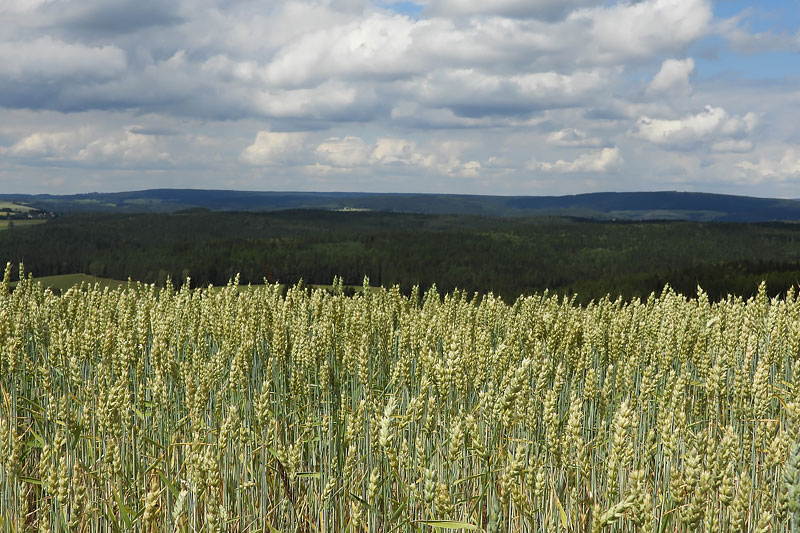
(87, 147)
(271, 148)
(673, 78)
(645, 28)
(387, 152)
(784, 167)
(47, 145)
(470, 93)
(712, 124)
(128, 147)
(602, 161)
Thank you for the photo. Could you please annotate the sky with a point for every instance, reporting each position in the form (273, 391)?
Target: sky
(506, 97)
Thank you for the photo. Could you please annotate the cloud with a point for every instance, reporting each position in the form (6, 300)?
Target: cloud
(126, 148)
(46, 145)
(49, 60)
(710, 125)
(86, 147)
(385, 95)
(547, 9)
(163, 132)
(374, 47)
(345, 152)
(473, 94)
(332, 100)
(103, 17)
(732, 146)
(573, 137)
(272, 148)
(15, 7)
(644, 28)
(387, 47)
(766, 168)
(392, 152)
(330, 61)
(603, 161)
(673, 78)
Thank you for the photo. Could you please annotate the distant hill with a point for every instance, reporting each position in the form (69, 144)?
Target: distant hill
(666, 205)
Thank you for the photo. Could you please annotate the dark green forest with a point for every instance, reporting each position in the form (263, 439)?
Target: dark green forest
(508, 256)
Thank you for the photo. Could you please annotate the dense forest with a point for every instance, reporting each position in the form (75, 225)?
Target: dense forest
(508, 256)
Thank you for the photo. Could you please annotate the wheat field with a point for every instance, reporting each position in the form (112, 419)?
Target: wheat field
(138, 409)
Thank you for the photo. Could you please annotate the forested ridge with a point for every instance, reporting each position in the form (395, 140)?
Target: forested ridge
(643, 205)
(508, 256)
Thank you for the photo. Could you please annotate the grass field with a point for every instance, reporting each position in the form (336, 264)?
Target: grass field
(14, 206)
(19, 223)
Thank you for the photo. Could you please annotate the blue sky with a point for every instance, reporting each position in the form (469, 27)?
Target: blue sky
(406, 8)
(770, 15)
(777, 17)
(463, 96)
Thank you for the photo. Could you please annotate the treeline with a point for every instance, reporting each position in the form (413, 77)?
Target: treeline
(506, 256)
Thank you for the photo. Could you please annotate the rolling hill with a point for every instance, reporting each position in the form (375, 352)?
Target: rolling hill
(663, 205)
